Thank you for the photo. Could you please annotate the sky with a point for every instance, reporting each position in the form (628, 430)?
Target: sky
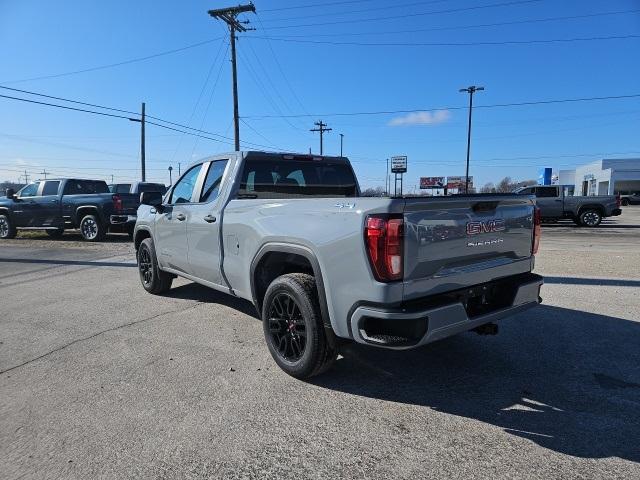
(338, 61)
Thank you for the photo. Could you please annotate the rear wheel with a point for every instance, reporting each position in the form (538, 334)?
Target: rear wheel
(7, 229)
(153, 279)
(92, 229)
(293, 326)
(625, 202)
(57, 233)
(590, 218)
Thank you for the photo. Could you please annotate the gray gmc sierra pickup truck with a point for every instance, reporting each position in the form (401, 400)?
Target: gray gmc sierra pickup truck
(324, 266)
(586, 211)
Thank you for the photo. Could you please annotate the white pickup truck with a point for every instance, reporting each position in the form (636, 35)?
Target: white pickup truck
(324, 266)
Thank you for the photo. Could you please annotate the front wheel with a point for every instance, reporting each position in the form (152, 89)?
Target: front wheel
(153, 279)
(625, 202)
(7, 229)
(92, 229)
(590, 218)
(293, 326)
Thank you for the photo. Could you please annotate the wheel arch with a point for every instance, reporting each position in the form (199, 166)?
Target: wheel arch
(140, 235)
(85, 210)
(275, 259)
(590, 206)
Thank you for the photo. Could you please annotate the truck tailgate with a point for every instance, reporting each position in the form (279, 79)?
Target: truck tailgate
(456, 242)
(130, 202)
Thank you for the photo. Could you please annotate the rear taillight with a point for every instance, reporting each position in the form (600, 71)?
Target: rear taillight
(618, 201)
(537, 230)
(384, 241)
(117, 202)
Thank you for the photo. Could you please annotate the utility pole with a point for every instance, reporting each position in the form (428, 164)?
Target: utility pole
(112, 178)
(386, 179)
(178, 169)
(229, 16)
(470, 90)
(26, 177)
(321, 128)
(141, 120)
(341, 139)
(45, 173)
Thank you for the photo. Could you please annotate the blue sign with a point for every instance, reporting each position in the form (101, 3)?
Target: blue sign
(544, 177)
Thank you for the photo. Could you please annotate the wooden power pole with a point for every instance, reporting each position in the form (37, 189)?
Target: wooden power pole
(229, 16)
(321, 128)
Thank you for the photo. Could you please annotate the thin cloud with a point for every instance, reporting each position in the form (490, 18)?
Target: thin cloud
(421, 118)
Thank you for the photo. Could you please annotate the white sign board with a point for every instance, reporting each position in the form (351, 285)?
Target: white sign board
(399, 164)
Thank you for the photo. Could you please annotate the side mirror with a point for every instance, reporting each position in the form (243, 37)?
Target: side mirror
(11, 193)
(153, 199)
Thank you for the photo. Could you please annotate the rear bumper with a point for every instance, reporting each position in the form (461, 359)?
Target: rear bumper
(123, 219)
(616, 211)
(409, 329)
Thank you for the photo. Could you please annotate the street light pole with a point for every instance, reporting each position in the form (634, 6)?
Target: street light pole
(470, 90)
(170, 179)
(341, 139)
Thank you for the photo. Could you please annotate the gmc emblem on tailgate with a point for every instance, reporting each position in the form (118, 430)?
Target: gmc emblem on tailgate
(496, 225)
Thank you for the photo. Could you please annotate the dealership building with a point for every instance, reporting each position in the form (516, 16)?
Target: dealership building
(608, 176)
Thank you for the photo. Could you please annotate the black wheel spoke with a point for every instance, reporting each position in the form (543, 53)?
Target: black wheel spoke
(287, 327)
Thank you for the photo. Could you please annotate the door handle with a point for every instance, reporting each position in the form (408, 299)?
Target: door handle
(54, 201)
(181, 216)
(210, 219)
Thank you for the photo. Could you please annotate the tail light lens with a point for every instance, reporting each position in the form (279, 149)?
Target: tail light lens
(537, 230)
(117, 202)
(384, 241)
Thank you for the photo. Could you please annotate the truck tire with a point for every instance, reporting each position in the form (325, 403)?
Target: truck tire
(293, 326)
(153, 279)
(7, 228)
(92, 229)
(624, 202)
(57, 233)
(590, 218)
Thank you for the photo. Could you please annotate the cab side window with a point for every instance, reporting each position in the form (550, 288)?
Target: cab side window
(30, 190)
(184, 188)
(212, 183)
(547, 192)
(50, 187)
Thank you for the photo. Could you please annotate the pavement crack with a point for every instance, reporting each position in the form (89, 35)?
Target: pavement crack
(112, 329)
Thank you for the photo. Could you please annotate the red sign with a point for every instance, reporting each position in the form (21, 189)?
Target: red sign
(431, 182)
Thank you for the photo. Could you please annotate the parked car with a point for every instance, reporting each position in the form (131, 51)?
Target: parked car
(586, 211)
(630, 199)
(55, 205)
(323, 265)
(137, 187)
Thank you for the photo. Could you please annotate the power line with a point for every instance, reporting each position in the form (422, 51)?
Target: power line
(117, 64)
(110, 114)
(390, 112)
(349, 12)
(449, 44)
(70, 101)
(461, 27)
(313, 5)
(407, 15)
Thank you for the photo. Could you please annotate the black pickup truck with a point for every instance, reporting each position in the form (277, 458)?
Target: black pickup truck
(55, 205)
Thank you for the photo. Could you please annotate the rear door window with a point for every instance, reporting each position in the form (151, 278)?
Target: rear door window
(547, 192)
(213, 182)
(51, 187)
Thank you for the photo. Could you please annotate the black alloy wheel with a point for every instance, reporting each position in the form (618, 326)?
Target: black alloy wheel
(145, 266)
(287, 328)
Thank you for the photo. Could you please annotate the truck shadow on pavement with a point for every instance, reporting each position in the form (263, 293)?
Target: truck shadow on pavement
(195, 291)
(565, 379)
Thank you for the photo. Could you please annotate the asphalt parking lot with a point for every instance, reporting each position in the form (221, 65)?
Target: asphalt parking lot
(100, 379)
